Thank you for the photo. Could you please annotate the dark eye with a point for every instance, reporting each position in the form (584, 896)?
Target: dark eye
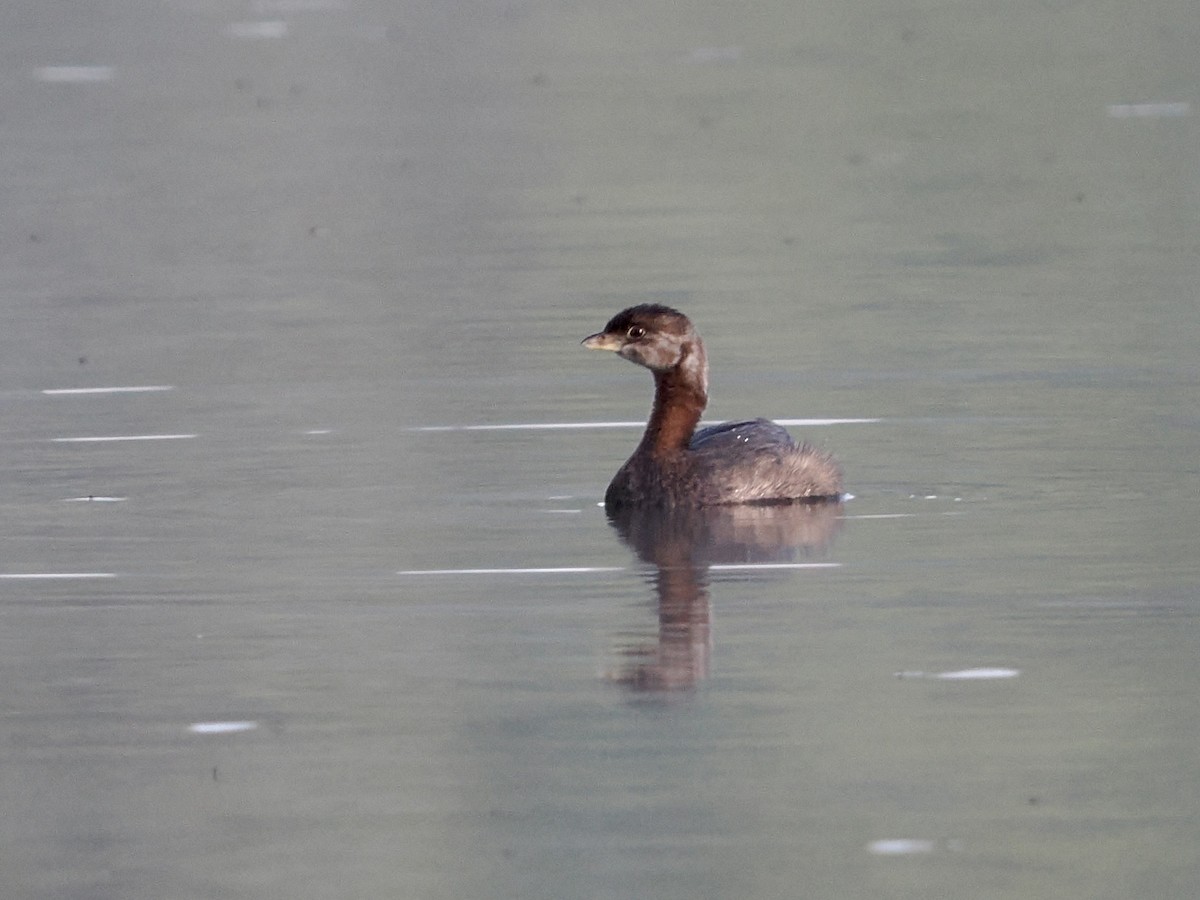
(636, 332)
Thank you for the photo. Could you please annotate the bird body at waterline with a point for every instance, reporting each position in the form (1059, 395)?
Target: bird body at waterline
(754, 461)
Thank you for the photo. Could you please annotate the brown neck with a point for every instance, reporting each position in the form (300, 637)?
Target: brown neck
(679, 400)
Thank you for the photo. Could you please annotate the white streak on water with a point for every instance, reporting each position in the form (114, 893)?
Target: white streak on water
(531, 426)
(73, 74)
(122, 437)
(1149, 110)
(221, 727)
(900, 846)
(981, 674)
(739, 567)
(295, 6)
(566, 570)
(132, 389)
(53, 576)
(257, 31)
(800, 423)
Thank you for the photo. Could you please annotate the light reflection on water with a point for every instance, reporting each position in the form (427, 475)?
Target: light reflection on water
(681, 546)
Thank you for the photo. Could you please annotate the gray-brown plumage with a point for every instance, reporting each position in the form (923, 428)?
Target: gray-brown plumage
(754, 461)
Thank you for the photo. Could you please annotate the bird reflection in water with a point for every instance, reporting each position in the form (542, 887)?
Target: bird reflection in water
(682, 544)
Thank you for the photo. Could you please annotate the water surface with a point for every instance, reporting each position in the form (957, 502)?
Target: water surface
(326, 227)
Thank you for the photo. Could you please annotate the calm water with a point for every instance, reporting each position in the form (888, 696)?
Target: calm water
(326, 226)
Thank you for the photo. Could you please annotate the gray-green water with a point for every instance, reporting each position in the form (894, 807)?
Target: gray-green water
(976, 223)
